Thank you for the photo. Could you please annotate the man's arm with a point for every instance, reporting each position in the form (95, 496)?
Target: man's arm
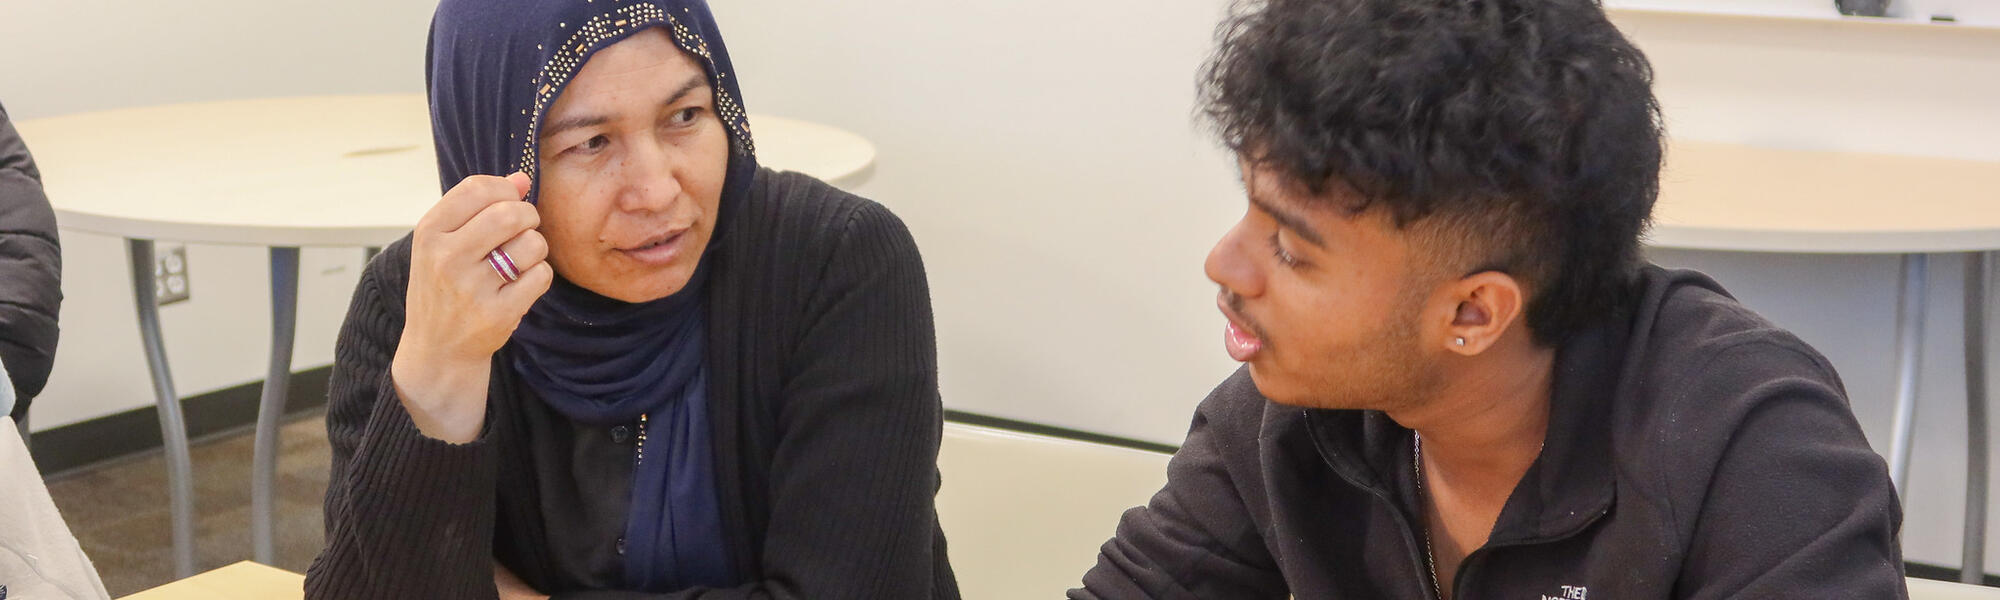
(30, 270)
(1196, 538)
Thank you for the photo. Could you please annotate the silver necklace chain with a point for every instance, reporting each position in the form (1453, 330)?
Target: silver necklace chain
(1430, 554)
(1417, 465)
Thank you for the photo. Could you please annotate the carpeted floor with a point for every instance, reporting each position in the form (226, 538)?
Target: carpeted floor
(118, 510)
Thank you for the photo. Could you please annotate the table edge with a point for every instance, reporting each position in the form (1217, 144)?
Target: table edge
(229, 234)
(1822, 242)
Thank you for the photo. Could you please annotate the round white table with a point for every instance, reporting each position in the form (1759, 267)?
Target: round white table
(1730, 197)
(285, 173)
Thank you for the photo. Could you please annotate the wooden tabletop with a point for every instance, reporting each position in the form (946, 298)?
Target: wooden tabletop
(301, 171)
(241, 581)
(1716, 196)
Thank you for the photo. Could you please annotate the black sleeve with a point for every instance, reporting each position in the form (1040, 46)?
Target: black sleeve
(854, 479)
(1196, 538)
(407, 515)
(1797, 505)
(30, 270)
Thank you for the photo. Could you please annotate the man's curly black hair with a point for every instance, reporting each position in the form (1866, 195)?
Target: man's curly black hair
(1526, 128)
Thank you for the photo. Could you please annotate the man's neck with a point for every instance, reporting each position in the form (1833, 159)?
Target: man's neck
(1487, 422)
(1478, 436)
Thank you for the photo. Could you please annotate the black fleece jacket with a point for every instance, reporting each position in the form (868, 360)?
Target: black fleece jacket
(1694, 451)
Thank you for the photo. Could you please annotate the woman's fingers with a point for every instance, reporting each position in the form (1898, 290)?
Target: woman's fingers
(515, 258)
(526, 250)
(521, 184)
(469, 198)
(493, 226)
(461, 302)
(523, 292)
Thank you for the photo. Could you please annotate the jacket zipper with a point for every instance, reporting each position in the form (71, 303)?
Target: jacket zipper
(1424, 583)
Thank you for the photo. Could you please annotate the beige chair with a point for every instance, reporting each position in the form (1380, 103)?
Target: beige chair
(1925, 589)
(1024, 514)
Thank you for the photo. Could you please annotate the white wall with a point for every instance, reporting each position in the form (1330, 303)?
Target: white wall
(76, 56)
(1045, 155)
(1051, 171)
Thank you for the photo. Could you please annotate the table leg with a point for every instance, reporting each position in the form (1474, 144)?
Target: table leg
(1909, 355)
(173, 427)
(271, 408)
(1973, 567)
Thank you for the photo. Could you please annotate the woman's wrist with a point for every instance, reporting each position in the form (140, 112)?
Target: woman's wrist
(446, 398)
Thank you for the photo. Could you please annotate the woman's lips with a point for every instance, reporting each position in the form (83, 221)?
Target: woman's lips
(659, 253)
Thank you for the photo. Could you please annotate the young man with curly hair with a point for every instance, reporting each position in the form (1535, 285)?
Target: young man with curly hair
(1461, 380)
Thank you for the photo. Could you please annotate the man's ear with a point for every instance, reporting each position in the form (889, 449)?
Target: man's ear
(1488, 304)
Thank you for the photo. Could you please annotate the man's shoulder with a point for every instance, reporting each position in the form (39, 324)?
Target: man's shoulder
(1694, 335)
(1701, 367)
(1723, 415)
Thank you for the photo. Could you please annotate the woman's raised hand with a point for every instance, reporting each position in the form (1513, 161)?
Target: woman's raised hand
(466, 299)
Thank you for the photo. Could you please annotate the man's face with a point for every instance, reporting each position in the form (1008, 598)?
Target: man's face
(633, 160)
(1323, 305)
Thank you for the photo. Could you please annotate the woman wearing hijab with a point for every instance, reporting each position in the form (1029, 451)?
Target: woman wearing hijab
(667, 374)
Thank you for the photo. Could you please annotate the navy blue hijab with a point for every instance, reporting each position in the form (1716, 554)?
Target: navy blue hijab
(495, 67)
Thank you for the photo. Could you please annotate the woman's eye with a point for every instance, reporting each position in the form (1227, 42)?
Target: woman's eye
(686, 115)
(594, 144)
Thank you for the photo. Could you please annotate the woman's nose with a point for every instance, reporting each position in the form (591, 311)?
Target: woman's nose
(652, 173)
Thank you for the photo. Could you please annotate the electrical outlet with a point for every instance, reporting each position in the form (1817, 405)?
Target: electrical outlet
(170, 275)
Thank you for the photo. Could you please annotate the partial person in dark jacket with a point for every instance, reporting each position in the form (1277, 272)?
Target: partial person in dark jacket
(669, 374)
(1461, 380)
(30, 271)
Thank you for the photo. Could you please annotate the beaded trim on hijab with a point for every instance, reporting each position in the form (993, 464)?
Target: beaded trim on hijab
(570, 57)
